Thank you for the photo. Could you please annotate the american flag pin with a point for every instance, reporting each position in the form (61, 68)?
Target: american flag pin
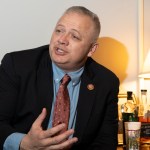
(90, 86)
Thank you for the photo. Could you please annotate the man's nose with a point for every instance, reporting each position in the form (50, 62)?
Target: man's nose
(64, 39)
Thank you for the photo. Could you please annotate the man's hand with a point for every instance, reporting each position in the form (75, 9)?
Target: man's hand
(39, 139)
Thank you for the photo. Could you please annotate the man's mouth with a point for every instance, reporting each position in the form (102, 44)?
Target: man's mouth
(60, 51)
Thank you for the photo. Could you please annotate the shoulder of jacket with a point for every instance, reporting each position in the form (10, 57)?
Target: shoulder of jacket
(100, 70)
(26, 59)
(29, 53)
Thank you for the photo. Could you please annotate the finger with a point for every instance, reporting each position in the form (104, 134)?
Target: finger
(40, 119)
(62, 137)
(59, 138)
(65, 144)
(54, 130)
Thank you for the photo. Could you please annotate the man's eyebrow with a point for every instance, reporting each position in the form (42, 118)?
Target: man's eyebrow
(59, 25)
(75, 30)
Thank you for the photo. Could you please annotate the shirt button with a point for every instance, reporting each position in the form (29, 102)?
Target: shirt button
(57, 79)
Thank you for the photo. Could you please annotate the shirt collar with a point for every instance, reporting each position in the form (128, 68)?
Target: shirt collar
(59, 73)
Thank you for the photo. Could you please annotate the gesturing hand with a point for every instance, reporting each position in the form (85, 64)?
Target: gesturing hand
(39, 139)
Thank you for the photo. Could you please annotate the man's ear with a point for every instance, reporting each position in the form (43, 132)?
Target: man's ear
(93, 49)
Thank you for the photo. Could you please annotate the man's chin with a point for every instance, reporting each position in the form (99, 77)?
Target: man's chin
(60, 64)
(64, 66)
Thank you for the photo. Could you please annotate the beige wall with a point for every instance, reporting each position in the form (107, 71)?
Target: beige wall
(29, 23)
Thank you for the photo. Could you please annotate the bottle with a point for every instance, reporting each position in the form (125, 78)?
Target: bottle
(143, 106)
(144, 117)
(129, 112)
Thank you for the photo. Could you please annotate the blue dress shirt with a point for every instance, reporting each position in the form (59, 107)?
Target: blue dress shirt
(13, 141)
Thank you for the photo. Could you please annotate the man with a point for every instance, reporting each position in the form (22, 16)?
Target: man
(29, 81)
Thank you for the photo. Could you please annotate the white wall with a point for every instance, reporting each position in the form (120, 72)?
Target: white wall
(29, 23)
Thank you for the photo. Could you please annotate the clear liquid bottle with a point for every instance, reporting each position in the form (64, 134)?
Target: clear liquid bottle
(143, 106)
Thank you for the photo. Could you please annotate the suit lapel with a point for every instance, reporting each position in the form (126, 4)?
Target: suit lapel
(85, 103)
(45, 88)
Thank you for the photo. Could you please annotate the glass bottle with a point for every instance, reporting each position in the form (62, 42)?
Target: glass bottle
(143, 106)
(129, 111)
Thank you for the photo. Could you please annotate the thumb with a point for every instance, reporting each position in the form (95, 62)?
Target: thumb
(38, 122)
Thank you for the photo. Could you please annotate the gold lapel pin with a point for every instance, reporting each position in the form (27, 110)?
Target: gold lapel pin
(90, 86)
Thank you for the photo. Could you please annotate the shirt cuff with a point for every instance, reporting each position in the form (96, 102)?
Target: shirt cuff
(13, 141)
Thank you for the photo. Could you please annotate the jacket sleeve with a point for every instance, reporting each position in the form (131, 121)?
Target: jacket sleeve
(9, 86)
(107, 138)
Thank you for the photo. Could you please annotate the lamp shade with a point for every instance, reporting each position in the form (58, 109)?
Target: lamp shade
(146, 67)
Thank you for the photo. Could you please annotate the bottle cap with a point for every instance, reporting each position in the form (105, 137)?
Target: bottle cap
(129, 95)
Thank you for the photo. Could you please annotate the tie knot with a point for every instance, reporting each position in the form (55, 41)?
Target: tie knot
(65, 80)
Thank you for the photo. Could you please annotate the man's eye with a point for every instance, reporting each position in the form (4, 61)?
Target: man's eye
(75, 37)
(57, 31)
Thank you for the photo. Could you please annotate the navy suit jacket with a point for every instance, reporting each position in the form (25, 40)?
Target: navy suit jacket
(26, 86)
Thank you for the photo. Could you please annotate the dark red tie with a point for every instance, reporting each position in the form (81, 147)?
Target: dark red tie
(62, 105)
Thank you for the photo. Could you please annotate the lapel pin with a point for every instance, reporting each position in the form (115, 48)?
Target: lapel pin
(90, 87)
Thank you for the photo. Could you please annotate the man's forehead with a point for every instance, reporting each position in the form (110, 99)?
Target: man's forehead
(74, 19)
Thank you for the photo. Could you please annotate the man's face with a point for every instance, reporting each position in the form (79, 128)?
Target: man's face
(71, 41)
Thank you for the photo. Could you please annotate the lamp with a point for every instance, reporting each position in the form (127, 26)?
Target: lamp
(146, 67)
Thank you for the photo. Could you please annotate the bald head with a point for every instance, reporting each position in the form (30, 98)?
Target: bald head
(84, 11)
